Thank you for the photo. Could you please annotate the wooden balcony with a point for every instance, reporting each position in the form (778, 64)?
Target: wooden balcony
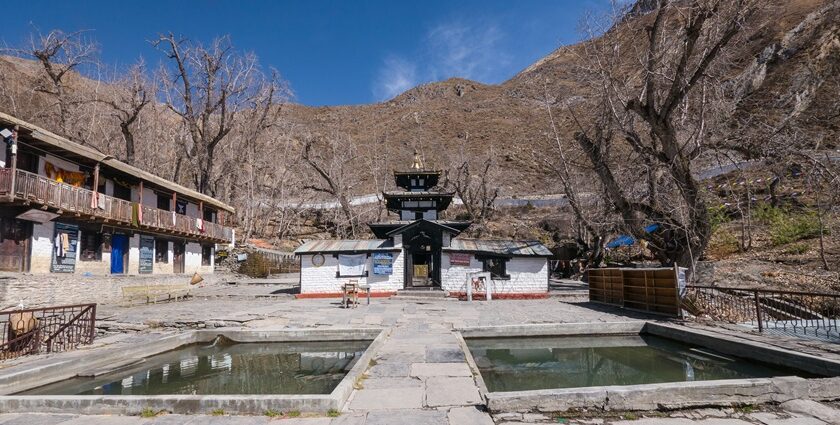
(69, 200)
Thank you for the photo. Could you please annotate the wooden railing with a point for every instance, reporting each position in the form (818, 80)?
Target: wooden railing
(65, 198)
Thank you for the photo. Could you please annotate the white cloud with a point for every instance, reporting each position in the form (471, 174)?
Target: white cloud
(396, 76)
(470, 51)
(454, 49)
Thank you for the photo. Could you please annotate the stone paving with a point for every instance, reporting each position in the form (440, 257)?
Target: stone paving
(418, 376)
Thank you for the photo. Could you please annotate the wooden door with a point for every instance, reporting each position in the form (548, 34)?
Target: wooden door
(14, 244)
(178, 252)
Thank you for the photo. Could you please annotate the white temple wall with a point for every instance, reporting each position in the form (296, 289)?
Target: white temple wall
(322, 279)
(528, 275)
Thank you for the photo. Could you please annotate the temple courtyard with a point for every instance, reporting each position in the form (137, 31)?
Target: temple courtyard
(420, 373)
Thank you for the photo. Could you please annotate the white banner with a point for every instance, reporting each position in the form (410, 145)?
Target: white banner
(351, 265)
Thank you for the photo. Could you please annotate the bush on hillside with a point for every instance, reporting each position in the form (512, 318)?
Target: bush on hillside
(256, 265)
(791, 227)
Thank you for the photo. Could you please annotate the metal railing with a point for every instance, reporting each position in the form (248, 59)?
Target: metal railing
(42, 190)
(49, 329)
(811, 314)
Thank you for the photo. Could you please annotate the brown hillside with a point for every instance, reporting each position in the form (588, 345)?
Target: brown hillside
(789, 40)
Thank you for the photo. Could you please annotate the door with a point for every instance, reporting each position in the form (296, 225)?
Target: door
(178, 251)
(421, 268)
(119, 249)
(14, 244)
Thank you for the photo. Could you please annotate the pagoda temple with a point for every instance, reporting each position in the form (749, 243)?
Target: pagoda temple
(418, 249)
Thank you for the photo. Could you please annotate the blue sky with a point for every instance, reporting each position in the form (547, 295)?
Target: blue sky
(331, 52)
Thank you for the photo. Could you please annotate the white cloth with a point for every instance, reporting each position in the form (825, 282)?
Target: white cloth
(351, 265)
(59, 247)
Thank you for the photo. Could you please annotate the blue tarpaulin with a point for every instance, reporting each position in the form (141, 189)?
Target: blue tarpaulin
(625, 240)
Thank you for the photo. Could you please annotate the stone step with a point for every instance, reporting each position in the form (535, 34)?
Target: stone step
(420, 293)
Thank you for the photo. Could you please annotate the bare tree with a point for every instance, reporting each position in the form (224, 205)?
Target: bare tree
(130, 96)
(663, 113)
(477, 190)
(209, 88)
(331, 158)
(594, 221)
(60, 54)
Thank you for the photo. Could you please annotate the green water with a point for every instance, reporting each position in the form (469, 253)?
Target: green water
(520, 364)
(253, 368)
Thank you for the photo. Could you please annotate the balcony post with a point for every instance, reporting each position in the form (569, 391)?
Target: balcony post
(13, 164)
(95, 202)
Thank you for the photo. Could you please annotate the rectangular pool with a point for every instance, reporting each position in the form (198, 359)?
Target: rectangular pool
(225, 368)
(534, 363)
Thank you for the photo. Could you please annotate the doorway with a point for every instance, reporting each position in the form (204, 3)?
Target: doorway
(178, 255)
(422, 262)
(119, 253)
(14, 244)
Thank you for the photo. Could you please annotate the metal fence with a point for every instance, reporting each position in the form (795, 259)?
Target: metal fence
(50, 329)
(808, 314)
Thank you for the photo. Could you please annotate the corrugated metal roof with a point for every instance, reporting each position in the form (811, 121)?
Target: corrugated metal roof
(502, 247)
(345, 245)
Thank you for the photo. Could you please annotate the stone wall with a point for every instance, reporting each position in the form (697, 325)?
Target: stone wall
(322, 279)
(62, 289)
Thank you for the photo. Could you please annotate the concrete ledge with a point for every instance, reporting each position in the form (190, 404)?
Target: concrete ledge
(741, 347)
(104, 360)
(666, 396)
(561, 329)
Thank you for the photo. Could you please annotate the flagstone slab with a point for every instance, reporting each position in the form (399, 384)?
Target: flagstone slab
(446, 391)
(440, 369)
(387, 399)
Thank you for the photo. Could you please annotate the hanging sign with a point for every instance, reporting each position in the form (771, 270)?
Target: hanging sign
(383, 263)
(459, 259)
(65, 243)
(147, 254)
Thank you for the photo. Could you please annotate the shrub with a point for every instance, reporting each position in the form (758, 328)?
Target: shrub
(333, 413)
(767, 214)
(218, 412)
(293, 413)
(271, 413)
(256, 265)
(148, 412)
(796, 249)
(790, 227)
(718, 216)
(723, 244)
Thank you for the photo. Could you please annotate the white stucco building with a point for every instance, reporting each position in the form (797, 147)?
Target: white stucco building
(418, 251)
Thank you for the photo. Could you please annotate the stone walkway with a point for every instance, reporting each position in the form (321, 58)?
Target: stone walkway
(418, 376)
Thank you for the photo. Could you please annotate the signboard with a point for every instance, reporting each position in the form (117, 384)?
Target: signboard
(459, 259)
(383, 263)
(65, 245)
(147, 254)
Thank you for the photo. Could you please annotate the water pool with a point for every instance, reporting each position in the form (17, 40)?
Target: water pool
(232, 368)
(532, 363)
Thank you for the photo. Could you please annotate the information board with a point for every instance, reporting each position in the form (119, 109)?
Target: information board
(383, 263)
(65, 245)
(459, 259)
(147, 254)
